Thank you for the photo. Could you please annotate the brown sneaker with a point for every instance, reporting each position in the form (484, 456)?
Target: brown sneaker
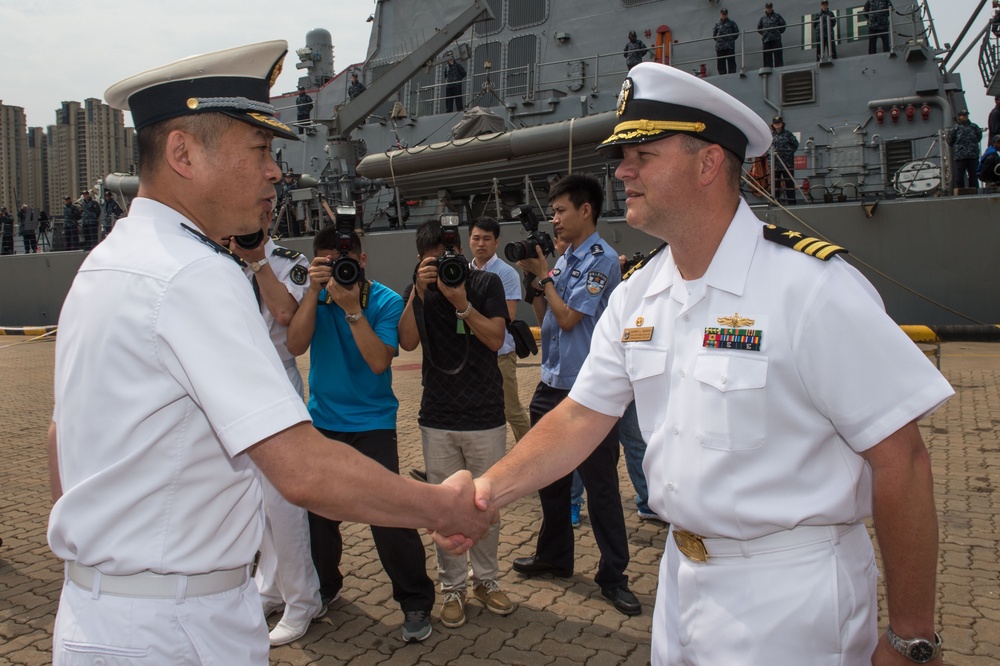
(453, 609)
(490, 595)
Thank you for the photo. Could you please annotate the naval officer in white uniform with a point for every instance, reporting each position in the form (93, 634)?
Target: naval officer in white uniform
(169, 395)
(778, 400)
(285, 574)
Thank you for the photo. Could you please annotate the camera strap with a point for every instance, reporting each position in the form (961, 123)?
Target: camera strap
(418, 316)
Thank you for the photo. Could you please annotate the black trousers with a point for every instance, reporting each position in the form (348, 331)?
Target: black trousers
(873, 42)
(400, 550)
(453, 97)
(71, 237)
(599, 473)
(90, 236)
(784, 185)
(773, 55)
(726, 61)
(8, 244)
(965, 167)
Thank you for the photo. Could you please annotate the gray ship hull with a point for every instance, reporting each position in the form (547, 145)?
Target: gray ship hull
(927, 257)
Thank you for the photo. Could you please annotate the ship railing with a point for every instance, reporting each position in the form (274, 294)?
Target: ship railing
(691, 55)
(989, 56)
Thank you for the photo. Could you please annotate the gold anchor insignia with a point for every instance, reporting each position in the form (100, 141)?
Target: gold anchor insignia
(736, 321)
(638, 321)
(792, 234)
(623, 96)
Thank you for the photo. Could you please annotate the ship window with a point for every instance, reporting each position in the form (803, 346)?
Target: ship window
(898, 153)
(797, 88)
(524, 13)
(521, 59)
(494, 25)
(482, 78)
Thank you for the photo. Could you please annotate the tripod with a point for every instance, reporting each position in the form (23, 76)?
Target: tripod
(43, 239)
(285, 219)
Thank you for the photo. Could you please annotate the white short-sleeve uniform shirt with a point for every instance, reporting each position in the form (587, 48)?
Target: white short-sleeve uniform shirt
(295, 280)
(744, 442)
(164, 376)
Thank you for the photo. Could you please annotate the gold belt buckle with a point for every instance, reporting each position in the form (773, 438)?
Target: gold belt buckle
(692, 545)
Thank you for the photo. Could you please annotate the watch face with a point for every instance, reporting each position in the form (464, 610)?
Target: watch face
(921, 652)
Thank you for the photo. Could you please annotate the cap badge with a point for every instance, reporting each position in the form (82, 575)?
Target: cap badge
(638, 321)
(624, 96)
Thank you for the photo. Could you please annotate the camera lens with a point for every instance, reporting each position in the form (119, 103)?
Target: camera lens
(453, 270)
(519, 250)
(346, 271)
(249, 241)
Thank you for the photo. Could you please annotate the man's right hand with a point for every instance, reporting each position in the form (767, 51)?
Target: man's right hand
(470, 519)
(427, 274)
(320, 274)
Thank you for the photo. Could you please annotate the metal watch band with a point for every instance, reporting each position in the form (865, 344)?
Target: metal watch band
(255, 266)
(354, 318)
(465, 314)
(917, 650)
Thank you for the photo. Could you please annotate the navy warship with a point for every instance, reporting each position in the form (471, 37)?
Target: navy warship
(872, 173)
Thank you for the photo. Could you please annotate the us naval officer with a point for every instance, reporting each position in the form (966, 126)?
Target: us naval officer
(778, 400)
(169, 396)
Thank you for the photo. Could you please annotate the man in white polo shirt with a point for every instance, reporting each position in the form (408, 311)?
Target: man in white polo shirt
(170, 399)
(484, 237)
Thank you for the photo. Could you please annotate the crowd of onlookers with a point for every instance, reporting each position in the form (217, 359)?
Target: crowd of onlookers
(85, 223)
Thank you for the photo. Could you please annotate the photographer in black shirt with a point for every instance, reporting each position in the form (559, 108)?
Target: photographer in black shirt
(459, 318)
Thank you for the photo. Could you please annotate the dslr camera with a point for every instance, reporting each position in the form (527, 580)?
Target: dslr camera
(453, 268)
(250, 241)
(524, 249)
(346, 270)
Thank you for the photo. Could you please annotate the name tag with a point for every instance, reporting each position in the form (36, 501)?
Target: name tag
(644, 334)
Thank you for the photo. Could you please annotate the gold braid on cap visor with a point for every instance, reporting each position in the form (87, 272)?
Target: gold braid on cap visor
(633, 129)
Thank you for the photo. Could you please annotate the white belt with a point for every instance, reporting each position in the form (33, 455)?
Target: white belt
(149, 585)
(804, 535)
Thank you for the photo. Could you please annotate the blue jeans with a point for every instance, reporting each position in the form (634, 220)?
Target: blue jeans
(576, 490)
(635, 451)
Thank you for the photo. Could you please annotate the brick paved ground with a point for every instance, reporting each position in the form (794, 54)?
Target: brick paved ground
(557, 621)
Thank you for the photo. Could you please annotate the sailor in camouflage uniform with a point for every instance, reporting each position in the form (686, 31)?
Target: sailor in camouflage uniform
(726, 32)
(71, 224)
(89, 215)
(963, 138)
(876, 12)
(635, 50)
(783, 144)
(6, 231)
(770, 26)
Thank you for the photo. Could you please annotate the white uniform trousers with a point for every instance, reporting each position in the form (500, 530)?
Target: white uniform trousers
(218, 629)
(810, 605)
(285, 571)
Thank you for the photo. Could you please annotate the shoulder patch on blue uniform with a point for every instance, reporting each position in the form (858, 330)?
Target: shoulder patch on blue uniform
(285, 252)
(299, 274)
(596, 249)
(796, 240)
(596, 281)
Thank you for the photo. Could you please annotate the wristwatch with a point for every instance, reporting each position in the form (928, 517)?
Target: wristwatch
(465, 313)
(354, 318)
(255, 266)
(544, 281)
(917, 650)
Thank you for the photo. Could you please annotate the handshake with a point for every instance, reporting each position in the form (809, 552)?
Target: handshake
(473, 513)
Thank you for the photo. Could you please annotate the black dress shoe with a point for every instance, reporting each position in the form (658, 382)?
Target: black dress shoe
(532, 566)
(623, 600)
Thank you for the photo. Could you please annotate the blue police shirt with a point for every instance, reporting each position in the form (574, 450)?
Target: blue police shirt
(344, 394)
(584, 278)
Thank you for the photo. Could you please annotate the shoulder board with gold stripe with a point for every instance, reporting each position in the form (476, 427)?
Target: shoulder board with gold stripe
(642, 263)
(286, 253)
(796, 240)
